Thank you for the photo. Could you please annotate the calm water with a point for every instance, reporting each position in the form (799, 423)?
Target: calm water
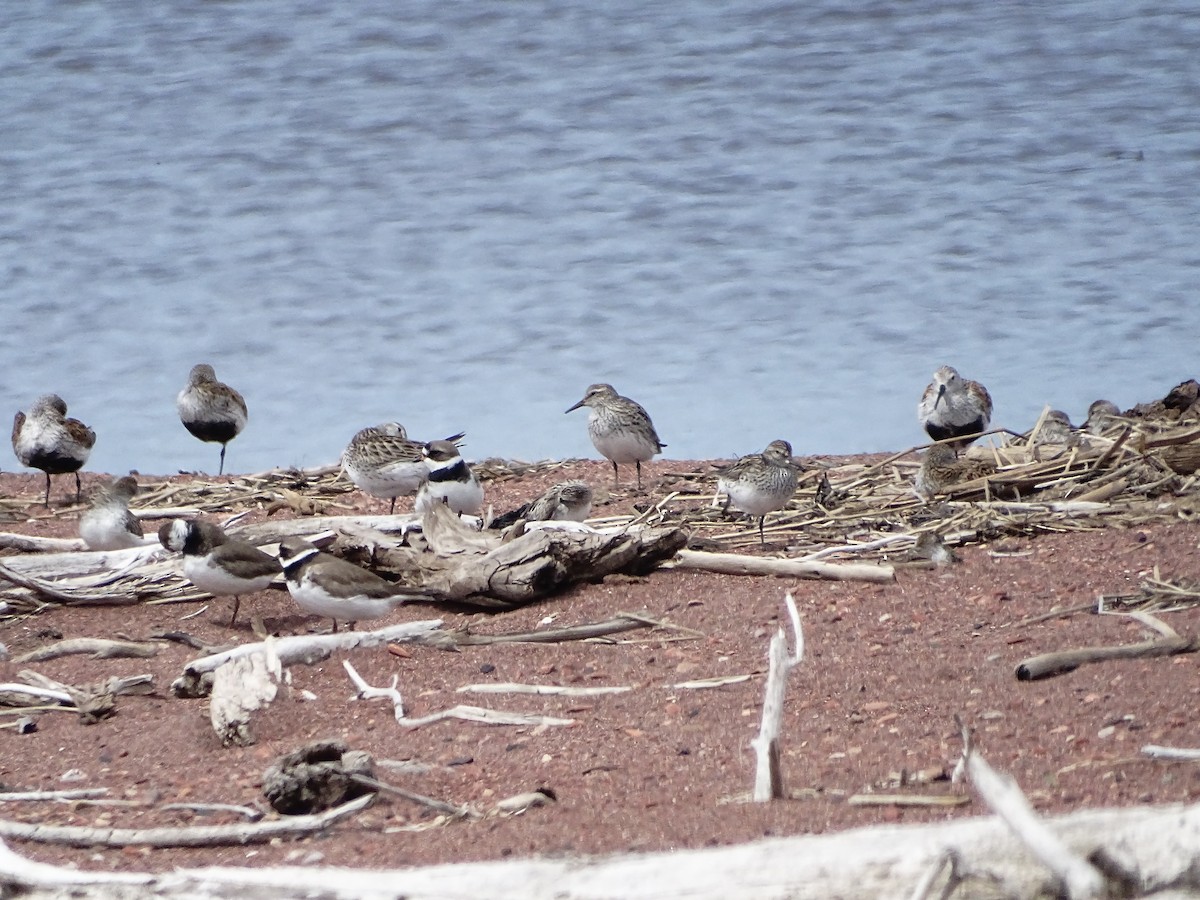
(760, 220)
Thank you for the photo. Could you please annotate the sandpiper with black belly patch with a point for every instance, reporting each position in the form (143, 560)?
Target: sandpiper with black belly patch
(954, 407)
(210, 409)
(47, 439)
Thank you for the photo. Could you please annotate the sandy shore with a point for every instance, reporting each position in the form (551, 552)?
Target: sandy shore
(870, 710)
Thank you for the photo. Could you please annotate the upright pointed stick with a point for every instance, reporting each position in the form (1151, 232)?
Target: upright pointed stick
(768, 778)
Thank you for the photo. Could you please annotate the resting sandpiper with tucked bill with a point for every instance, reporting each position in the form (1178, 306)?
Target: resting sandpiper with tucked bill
(382, 461)
(46, 439)
(211, 410)
(326, 585)
(449, 480)
(954, 407)
(620, 429)
(107, 523)
(941, 469)
(217, 563)
(761, 482)
(567, 501)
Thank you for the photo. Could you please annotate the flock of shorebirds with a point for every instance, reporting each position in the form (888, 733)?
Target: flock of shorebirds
(384, 462)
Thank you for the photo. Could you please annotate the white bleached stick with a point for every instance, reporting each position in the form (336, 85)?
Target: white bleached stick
(366, 692)
(768, 779)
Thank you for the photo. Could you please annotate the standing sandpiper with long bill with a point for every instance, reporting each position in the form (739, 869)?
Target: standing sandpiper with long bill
(620, 429)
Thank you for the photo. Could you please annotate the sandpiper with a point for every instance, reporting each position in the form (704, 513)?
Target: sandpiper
(954, 407)
(566, 501)
(383, 462)
(1056, 428)
(210, 409)
(1102, 415)
(941, 468)
(620, 429)
(450, 481)
(761, 482)
(46, 439)
(107, 523)
(326, 585)
(216, 563)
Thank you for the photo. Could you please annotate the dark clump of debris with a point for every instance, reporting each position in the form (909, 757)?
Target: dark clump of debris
(317, 777)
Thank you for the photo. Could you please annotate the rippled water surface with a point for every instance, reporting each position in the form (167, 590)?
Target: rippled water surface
(760, 220)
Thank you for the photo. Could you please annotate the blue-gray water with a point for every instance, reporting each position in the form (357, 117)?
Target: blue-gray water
(760, 220)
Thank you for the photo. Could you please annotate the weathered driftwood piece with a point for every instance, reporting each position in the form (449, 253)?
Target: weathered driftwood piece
(57, 796)
(92, 701)
(585, 632)
(196, 681)
(240, 687)
(187, 836)
(366, 692)
(467, 713)
(482, 716)
(737, 564)
(768, 776)
(1079, 877)
(543, 690)
(1047, 664)
(1160, 846)
(30, 543)
(98, 648)
(1183, 753)
(473, 568)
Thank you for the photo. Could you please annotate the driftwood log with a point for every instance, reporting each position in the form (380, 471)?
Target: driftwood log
(1056, 663)
(1158, 849)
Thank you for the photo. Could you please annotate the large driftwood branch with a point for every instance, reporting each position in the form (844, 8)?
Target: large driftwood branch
(1161, 845)
(484, 571)
(737, 564)
(1048, 664)
(196, 681)
(468, 566)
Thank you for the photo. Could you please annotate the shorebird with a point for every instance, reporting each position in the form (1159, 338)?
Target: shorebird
(210, 409)
(107, 523)
(326, 585)
(450, 481)
(216, 563)
(46, 439)
(761, 482)
(566, 501)
(941, 469)
(1102, 415)
(620, 429)
(1056, 429)
(954, 407)
(383, 462)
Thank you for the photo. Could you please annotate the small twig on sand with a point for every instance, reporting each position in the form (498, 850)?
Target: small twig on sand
(366, 692)
(99, 648)
(450, 809)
